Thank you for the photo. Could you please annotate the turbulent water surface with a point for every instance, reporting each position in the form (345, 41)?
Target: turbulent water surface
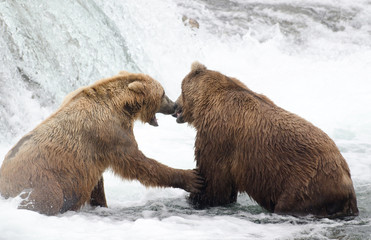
(310, 57)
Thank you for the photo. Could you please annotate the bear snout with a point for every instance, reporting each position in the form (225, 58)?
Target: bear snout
(167, 106)
(178, 112)
(175, 112)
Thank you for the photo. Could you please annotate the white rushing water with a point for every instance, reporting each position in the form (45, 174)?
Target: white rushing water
(310, 57)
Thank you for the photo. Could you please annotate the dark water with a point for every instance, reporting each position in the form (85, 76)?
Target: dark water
(247, 210)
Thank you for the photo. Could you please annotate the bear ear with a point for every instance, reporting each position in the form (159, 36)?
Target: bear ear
(137, 87)
(124, 73)
(198, 67)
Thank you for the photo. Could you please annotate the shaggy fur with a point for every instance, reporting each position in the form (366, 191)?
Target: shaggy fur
(245, 143)
(58, 166)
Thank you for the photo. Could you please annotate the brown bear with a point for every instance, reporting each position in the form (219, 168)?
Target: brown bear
(58, 166)
(245, 143)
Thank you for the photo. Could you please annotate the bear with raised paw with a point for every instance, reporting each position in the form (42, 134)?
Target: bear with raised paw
(58, 166)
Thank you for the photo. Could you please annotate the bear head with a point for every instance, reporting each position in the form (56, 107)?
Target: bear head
(154, 100)
(202, 89)
(137, 96)
(184, 109)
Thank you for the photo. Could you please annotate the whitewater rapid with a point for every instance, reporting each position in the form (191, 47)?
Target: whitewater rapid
(310, 57)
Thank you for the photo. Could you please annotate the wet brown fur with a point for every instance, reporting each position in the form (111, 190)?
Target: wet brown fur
(58, 166)
(245, 143)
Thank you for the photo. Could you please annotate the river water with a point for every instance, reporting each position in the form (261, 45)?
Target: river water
(310, 57)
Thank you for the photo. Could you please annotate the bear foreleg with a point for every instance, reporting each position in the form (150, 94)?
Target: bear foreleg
(98, 197)
(218, 191)
(154, 174)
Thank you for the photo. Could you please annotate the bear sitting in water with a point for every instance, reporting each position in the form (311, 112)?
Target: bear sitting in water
(245, 143)
(58, 166)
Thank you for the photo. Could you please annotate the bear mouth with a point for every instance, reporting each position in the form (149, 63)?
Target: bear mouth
(178, 115)
(153, 121)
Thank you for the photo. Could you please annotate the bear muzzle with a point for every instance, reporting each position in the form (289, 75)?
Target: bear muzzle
(178, 114)
(167, 107)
